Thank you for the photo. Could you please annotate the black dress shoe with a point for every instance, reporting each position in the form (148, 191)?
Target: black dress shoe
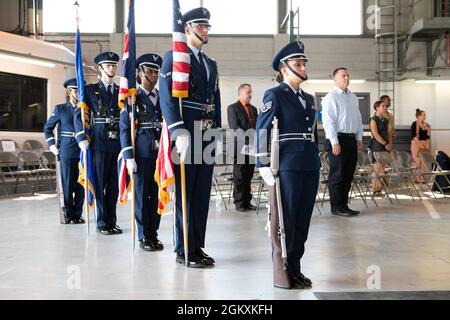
(340, 212)
(296, 283)
(352, 212)
(155, 242)
(251, 207)
(105, 230)
(146, 245)
(78, 220)
(194, 261)
(209, 261)
(116, 229)
(241, 209)
(306, 281)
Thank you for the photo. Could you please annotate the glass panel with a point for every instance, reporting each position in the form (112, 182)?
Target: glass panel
(9, 101)
(242, 17)
(155, 16)
(23, 103)
(329, 17)
(95, 16)
(34, 105)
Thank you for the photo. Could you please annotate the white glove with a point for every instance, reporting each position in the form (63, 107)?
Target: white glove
(267, 175)
(83, 145)
(182, 144)
(54, 149)
(131, 165)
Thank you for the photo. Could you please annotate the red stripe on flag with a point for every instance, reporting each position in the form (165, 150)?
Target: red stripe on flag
(180, 47)
(180, 85)
(181, 67)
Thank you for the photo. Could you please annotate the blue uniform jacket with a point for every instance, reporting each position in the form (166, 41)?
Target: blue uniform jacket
(99, 138)
(148, 115)
(295, 155)
(64, 115)
(198, 93)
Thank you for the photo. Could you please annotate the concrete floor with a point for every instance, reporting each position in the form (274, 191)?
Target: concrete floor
(40, 259)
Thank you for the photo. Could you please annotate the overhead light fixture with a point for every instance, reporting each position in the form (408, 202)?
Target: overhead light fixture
(329, 81)
(27, 60)
(433, 81)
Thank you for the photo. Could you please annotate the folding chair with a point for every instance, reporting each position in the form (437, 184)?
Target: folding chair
(433, 171)
(32, 162)
(324, 171)
(34, 146)
(363, 175)
(396, 176)
(11, 169)
(8, 145)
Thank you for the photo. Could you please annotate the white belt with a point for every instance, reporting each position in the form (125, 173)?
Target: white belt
(105, 120)
(307, 136)
(68, 134)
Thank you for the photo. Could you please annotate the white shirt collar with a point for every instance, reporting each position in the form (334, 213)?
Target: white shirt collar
(293, 90)
(340, 91)
(147, 92)
(107, 84)
(194, 50)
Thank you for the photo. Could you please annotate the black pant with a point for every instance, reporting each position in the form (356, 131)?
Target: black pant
(106, 187)
(242, 179)
(342, 169)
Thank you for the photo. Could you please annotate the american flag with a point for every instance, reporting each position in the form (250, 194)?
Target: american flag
(164, 174)
(181, 59)
(128, 77)
(126, 90)
(124, 179)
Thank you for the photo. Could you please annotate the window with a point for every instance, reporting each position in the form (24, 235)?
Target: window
(23, 103)
(155, 16)
(95, 16)
(329, 17)
(242, 16)
(227, 17)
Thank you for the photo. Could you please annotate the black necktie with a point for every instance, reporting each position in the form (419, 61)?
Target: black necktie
(202, 65)
(151, 94)
(300, 94)
(108, 95)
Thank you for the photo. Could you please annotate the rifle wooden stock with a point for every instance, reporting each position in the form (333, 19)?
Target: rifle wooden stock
(277, 234)
(59, 189)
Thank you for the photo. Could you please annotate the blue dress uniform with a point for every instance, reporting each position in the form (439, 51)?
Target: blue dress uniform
(69, 153)
(299, 162)
(203, 103)
(148, 133)
(105, 144)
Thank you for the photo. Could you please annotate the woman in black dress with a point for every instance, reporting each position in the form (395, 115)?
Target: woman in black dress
(420, 141)
(379, 127)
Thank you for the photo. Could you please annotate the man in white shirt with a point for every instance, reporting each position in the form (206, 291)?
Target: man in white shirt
(342, 123)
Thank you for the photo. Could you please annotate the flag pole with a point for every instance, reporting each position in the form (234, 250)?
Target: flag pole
(86, 198)
(183, 197)
(133, 144)
(83, 119)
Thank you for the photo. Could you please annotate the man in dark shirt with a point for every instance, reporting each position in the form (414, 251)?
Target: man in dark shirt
(242, 115)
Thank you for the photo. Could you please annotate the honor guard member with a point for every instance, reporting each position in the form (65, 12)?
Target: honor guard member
(69, 152)
(102, 100)
(299, 162)
(201, 111)
(148, 120)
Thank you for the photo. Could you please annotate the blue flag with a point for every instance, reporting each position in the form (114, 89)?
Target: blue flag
(86, 125)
